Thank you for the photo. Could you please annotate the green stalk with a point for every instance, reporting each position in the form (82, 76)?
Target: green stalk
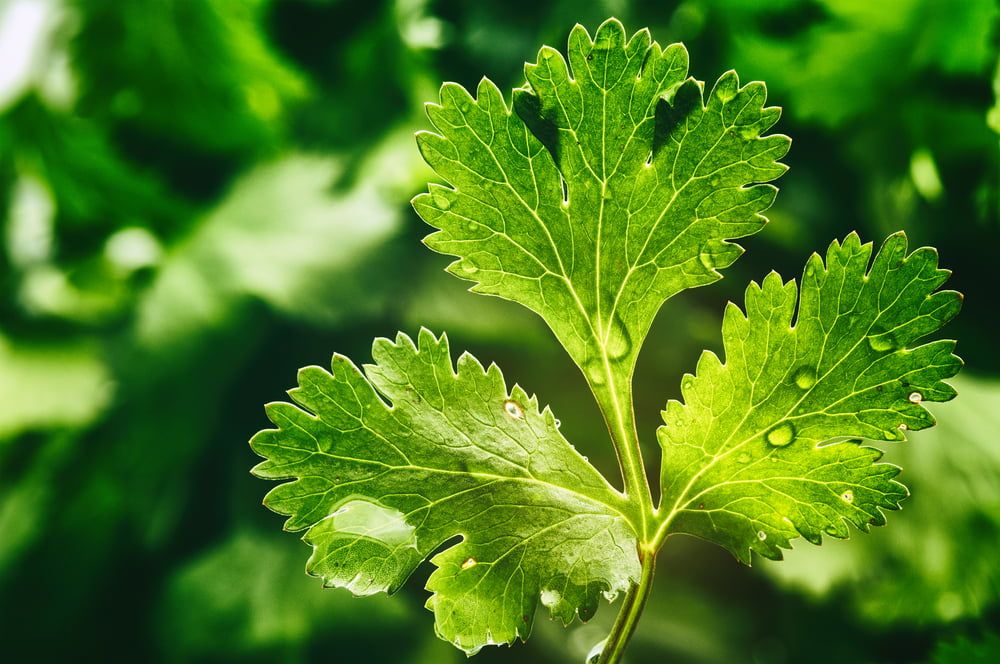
(628, 615)
(614, 397)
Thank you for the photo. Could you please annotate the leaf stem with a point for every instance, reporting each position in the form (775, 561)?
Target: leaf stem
(613, 390)
(614, 397)
(631, 609)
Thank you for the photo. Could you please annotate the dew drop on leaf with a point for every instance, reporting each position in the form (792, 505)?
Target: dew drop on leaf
(902, 426)
(916, 397)
(805, 378)
(618, 342)
(550, 597)
(743, 458)
(847, 496)
(468, 564)
(893, 434)
(706, 256)
(781, 434)
(881, 343)
(595, 653)
(441, 201)
(761, 535)
(513, 409)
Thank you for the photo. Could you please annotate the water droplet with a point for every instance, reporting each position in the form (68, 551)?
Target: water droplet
(781, 434)
(441, 200)
(468, 564)
(513, 409)
(468, 267)
(743, 458)
(465, 106)
(831, 530)
(618, 343)
(787, 520)
(594, 368)
(902, 426)
(715, 180)
(471, 226)
(585, 458)
(547, 54)
(707, 257)
(369, 519)
(687, 384)
(557, 422)
(916, 397)
(847, 496)
(595, 653)
(805, 378)
(761, 535)
(881, 343)
(550, 597)
(893, 434)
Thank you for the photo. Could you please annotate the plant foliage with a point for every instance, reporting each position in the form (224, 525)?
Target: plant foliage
(609, 184)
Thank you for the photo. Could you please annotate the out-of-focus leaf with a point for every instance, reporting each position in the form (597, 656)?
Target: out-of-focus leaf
(285, 235)
(26, 494)
(968, 651)
(51, 385)
(848, 54)
(199, 72)
(936, 564)
(249, 595)
(93, 187)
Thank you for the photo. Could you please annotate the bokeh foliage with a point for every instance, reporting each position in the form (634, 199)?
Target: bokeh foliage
(199, 196)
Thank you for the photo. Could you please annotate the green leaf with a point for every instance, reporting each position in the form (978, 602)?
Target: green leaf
(957, 519)
(380, 486)
(755, 456)
(609, 185)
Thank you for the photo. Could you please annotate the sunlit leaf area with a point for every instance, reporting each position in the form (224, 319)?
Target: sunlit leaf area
(199, 197)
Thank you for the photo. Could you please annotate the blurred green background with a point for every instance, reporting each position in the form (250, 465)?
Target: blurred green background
(199, 196)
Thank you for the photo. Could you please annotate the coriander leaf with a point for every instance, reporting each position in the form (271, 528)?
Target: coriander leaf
(380, 486)
(753, 459)
(609, 186)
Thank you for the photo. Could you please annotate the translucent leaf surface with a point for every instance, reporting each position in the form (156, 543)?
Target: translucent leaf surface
(390, 464)
(756, 455)
(954, 521)
(610, 184)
